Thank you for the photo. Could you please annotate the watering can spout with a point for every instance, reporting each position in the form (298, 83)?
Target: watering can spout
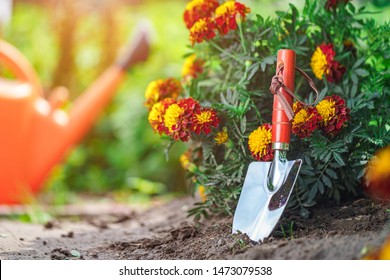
(88, 106)
(39, 133)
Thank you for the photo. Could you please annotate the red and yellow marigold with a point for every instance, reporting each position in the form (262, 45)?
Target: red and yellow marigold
(197, 9)
(203, 120)
(227, 13)
(193, 67)
(260, 143)
(334, 114)
(323, 63)
(178, 118)
(157, 113)
(202, 30)
(160, 89)
(305, 120)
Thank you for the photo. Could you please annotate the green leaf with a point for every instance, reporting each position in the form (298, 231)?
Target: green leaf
(338, 158)
(312, 193)
(331, 173)
(362, 72)
(326, 181)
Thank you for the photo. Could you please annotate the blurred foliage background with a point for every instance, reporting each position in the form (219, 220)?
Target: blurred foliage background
(70, 42)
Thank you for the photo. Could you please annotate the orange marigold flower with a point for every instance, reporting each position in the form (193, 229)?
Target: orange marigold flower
(305, 120)
(202, 30)
(193, 66)
(204, 119)
(260, 143)
(377, 175)
(323, 63)
(156, 115)
(226, 15)
(160, 89)
(178, 118)
(334, 114)
(197, 9)
(332, 4)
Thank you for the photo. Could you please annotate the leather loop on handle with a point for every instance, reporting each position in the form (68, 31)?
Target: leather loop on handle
(281, 125)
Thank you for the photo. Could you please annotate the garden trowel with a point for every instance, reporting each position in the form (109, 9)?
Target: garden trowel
(268, 185)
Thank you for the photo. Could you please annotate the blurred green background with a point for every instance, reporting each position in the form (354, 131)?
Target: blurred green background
(70, 42)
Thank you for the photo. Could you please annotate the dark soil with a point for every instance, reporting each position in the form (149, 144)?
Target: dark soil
(330, 232)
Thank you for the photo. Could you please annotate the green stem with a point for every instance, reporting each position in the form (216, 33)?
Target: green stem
(225, 52)
(242, 38)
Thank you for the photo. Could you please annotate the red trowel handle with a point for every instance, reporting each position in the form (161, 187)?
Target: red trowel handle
(281, 126)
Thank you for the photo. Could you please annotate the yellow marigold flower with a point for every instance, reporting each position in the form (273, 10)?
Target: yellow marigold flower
(260, 143)
(319, 64)
(377, 176)
(229, 6)
(221, 137)
(301, 117)
(172, 116)
(202, 193)
(326, 108)
(382, 253)
(156, 115)
(152, 90)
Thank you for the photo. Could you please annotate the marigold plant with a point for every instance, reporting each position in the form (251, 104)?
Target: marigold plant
(224, 111)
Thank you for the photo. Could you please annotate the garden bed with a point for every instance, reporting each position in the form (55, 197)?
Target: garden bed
(118, 232)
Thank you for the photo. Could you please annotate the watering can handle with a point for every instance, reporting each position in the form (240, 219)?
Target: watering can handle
(19, 66)
(281, 125)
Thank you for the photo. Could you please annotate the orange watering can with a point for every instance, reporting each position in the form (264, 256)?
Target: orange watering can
(35, 132)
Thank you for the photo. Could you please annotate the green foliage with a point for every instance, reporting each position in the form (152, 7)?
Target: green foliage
(239, 69)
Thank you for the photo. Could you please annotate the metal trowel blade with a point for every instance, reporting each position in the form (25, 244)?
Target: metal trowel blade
(259, 209)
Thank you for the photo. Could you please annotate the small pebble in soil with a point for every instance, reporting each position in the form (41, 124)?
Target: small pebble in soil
(44, 242)
(70, 234)
(21, 239)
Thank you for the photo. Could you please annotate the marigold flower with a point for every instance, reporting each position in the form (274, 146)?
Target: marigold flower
(202, 193)
(197, 9)
(323, 63)
(193, 66)
(305, 120)
(179, 118)
(226, 15)
(185, 161)
(204, 120)
(160, 89)
(260, 143)
(334, 114)
(202, 30)
(332, 4)
(156, 115)
(377, 175)
(221, 137)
